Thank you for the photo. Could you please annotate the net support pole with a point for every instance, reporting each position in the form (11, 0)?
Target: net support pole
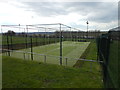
(36, 41)
(31, 48)
(66, 60)
(44, 58)
(70, 34)
(11, 42)
(27, 41)
(87, 29)
(60, 45)
(8, 45)
(24, 55)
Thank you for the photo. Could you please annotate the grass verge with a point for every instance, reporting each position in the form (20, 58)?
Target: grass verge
(18, 73)
(90, 53)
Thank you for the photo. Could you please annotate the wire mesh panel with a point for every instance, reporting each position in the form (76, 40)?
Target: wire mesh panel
(57, 40)
(108, 53)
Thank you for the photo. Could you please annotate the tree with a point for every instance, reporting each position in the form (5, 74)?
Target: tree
(10, 32)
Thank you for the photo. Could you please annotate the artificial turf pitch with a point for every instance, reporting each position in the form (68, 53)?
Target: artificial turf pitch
(50, 53)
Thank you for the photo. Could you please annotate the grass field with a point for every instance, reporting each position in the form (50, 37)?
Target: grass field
(90, 53)
(18, 73)
(70, 49)
(22, 39)
(39, 40)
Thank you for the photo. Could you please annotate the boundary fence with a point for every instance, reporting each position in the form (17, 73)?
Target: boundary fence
(46, 58)
(108, 50)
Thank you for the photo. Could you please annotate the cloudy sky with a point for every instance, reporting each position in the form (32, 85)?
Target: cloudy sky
(101, 15)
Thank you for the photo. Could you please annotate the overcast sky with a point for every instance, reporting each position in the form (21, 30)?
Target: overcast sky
(101, 15)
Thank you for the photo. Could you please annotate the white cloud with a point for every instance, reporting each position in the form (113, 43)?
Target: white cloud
(101, 16)
(61, 0)
(13, 15)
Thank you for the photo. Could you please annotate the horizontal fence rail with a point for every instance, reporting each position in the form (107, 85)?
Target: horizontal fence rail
(46, 58)
(49, 55)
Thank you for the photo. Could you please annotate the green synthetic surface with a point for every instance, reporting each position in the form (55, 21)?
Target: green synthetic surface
(70, 49)
(18, 73)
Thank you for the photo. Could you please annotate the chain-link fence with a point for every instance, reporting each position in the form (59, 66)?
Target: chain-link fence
(108, 53)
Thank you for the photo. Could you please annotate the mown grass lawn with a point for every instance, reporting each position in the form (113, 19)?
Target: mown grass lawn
(90, 54)
(18, 73)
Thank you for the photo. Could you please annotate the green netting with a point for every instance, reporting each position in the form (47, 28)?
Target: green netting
(108, 53)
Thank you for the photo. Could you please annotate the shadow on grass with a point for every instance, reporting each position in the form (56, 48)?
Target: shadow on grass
(85, 55)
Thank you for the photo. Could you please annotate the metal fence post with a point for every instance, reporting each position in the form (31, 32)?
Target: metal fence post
(44, 58)
(36, 41)
(60, 45)
(39, 38)
(6, 53)
(66, 61)
(24, 55)
(11, 42)
(8, 45)
(27, 41)
(31, 49)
